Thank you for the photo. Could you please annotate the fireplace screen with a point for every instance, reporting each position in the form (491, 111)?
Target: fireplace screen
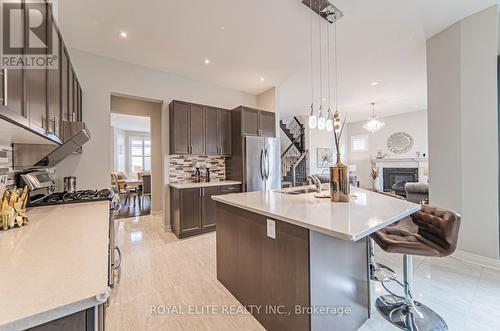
(396, 178)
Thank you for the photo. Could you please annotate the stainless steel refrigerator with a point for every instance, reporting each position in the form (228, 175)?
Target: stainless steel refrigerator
(261, 164)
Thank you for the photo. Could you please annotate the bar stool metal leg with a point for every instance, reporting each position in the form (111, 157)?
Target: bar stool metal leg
(405, 312)
(378, 271)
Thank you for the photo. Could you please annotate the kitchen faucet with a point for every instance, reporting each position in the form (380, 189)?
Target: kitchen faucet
(316, 182)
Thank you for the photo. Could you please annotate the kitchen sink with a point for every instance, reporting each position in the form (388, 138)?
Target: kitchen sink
(300, 191)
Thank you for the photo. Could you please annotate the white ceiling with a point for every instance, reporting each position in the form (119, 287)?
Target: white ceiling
(130, 122)
(381, 40)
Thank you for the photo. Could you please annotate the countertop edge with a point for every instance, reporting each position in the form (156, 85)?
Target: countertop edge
(181, 186)
(330, 233)
(55, 313)
(309, 226)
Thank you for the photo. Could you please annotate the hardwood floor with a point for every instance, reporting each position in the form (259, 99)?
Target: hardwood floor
(131, 209)
(159, 270)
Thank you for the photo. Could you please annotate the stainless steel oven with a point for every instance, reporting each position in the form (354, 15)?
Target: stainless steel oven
(115, 255)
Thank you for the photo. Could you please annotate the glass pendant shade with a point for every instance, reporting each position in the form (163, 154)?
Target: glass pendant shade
(313, 121)
(374, 124)
(321, 123)
(329, 125)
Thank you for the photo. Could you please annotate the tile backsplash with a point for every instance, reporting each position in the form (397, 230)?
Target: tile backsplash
(182, 167)
(6, 163)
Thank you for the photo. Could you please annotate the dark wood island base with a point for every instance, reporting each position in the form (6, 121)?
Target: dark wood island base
(301, 280)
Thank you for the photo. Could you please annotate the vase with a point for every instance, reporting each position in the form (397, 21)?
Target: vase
(376, 185)
(339, 182)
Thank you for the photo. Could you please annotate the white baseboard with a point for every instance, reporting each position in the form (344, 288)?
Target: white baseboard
(477, 259)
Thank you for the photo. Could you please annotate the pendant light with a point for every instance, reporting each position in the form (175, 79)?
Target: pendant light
(329, 120)
(312, 117)
(374, 124)
(321, 119)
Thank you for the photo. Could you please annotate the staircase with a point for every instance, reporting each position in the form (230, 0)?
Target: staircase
(294, 170)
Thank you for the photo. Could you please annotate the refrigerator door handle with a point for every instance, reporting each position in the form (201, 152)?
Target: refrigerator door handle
(268, 168)
(261, 163)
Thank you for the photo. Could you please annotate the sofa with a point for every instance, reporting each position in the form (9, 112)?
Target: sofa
(417, 192)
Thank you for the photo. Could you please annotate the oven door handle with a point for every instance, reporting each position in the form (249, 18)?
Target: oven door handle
(117, 208)
(118, 262)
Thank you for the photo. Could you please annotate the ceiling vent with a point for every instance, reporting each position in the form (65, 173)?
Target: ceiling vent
(325, 9)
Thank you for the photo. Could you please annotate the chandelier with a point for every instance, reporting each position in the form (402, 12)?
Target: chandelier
(374, 124)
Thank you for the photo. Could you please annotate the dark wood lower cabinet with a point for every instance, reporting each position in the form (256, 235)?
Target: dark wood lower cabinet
(298, 280)
(192, 210)
(84, 320)
(208, 207)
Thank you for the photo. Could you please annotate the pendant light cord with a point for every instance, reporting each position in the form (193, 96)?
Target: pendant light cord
(329, 72)
(320, 60)
(312, 69)
(336, 66)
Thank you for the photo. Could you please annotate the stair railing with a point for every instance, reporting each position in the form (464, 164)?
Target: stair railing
(295, 165)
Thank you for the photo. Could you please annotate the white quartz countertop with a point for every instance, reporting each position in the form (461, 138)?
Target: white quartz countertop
(58, 260)
(184, 185)
(366, 213)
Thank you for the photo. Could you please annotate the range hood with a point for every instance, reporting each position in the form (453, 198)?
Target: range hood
(75, 135)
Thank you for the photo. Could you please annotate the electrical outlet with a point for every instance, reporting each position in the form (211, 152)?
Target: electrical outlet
(271, 229)
(3, 179)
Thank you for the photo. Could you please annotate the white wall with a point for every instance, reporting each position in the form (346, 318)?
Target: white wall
(414, 123)
(102, 76)
(463, 128)
(322, 139)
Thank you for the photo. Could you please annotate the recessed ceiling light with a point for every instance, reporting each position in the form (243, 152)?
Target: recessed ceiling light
(123, 34)
(261, 79)
(374, 83)
(416, 106)
(206, 61)
(223, 27)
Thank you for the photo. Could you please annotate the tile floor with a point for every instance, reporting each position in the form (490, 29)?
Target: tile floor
(158, 270)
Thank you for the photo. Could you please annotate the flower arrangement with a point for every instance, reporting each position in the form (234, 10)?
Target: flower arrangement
(374, 173)
(338, 129)
(13, 208)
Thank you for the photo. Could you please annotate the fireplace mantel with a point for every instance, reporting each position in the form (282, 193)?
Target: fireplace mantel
(403, 162)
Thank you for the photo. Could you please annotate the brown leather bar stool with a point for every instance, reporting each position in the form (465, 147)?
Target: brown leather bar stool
(436, 235)
(378, 271)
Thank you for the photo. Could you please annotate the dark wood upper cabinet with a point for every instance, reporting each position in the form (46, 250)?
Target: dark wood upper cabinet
(40, 99)
(54, 90)
(212, 131)
(179, 127)
(254, 122)
(36, 80)
(225, 132)
(190, 209)
(208, 207)
(37, 98)
(12, 89)
(267, 124)
(249, 122)
(197, 129)
(71, 110)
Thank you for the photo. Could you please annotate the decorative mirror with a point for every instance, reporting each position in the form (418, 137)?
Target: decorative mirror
(400, 142)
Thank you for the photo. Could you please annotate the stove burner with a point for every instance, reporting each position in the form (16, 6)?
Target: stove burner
(78, 196)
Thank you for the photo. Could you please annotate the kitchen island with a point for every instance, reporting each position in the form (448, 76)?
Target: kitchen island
(55, 269)
(298, 262)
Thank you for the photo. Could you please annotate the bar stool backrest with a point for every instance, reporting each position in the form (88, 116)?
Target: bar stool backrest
(439, 226)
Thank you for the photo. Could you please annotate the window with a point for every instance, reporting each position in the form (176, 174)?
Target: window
(140, 154)
(120, 152)
(359, 143)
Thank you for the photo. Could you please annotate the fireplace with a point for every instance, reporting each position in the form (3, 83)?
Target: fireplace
(394, 179)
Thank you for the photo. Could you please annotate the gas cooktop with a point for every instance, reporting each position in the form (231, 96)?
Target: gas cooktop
(59, 198)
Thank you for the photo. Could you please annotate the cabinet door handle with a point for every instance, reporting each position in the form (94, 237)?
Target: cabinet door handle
(5, 82)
